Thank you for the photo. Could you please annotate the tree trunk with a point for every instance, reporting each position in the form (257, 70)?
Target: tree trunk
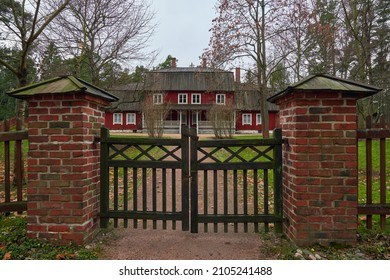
(263, 83)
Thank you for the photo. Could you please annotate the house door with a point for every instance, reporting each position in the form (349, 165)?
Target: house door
(194, 117)
(183, 117)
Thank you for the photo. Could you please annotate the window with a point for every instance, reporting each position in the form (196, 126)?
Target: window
(258, 119)
(117, 118)
(130, 118)
(220, 99)
(196, 98)
(183, 98)
(247, 119)
(157, 98)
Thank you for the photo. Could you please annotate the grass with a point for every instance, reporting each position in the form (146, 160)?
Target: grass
(15, 245)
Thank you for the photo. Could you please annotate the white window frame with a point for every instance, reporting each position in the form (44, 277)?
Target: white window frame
(195, 97)
(180, 100)
(258, 119)
(244, 116)
(133, 117)
(119, 120)
(157, 98)
(220, 99)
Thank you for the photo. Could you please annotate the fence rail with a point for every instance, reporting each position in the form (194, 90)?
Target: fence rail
(12, 191)
(373, 206)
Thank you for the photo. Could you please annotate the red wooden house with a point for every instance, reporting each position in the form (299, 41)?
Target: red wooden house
(125, 114)
(190, 92)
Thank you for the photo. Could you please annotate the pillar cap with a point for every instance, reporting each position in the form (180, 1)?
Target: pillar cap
(61, 85)
(324, 82)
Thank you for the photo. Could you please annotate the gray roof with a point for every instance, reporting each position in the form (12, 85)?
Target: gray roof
(60, 85)
(129, 96)
(197, 79)
(327, 83)
(247, 97)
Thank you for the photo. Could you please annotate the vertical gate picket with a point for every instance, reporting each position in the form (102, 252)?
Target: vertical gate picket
(225, 197)
(104, 177)
(125, 194)
(135, 195)
(116, 193)
(194, 179)
(245, 175)
(164, 194)
(255, 198)
(266, 194)
(235, 194)
(205, 198)
(154, 195)
(144, 197)
(185, 223)
(215, 206)
(185, 175)
(278, 194)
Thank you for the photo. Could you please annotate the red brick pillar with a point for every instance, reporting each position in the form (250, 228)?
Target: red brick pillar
(63, 167)
(320, 165)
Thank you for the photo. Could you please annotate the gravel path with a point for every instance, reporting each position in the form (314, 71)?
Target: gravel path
(140, 244)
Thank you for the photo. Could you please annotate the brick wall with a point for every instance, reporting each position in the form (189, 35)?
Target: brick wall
(63, 167)
(320, 166)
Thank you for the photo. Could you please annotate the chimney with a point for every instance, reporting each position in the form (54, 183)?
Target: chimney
(238, 74)
(173, 62)
(204, 62)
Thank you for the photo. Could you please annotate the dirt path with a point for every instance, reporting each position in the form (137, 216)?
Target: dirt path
(140, 244)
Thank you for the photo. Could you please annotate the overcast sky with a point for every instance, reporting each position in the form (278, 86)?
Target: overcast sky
(183, 29)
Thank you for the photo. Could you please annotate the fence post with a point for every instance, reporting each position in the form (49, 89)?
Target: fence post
(104, 177)
(320, 159)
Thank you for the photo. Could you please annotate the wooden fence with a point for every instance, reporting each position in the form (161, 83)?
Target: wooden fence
(376, 180)
(12, 191)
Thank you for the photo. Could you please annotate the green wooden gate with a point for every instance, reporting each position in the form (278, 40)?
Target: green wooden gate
(233, 183)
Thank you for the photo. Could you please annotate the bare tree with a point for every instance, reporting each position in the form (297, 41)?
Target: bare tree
(245, 29)
(222, 120)
(154, 116)
(102, 33)
(21, 24)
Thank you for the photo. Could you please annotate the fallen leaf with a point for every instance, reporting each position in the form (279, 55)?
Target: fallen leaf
(66, 256)
(7, 256)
